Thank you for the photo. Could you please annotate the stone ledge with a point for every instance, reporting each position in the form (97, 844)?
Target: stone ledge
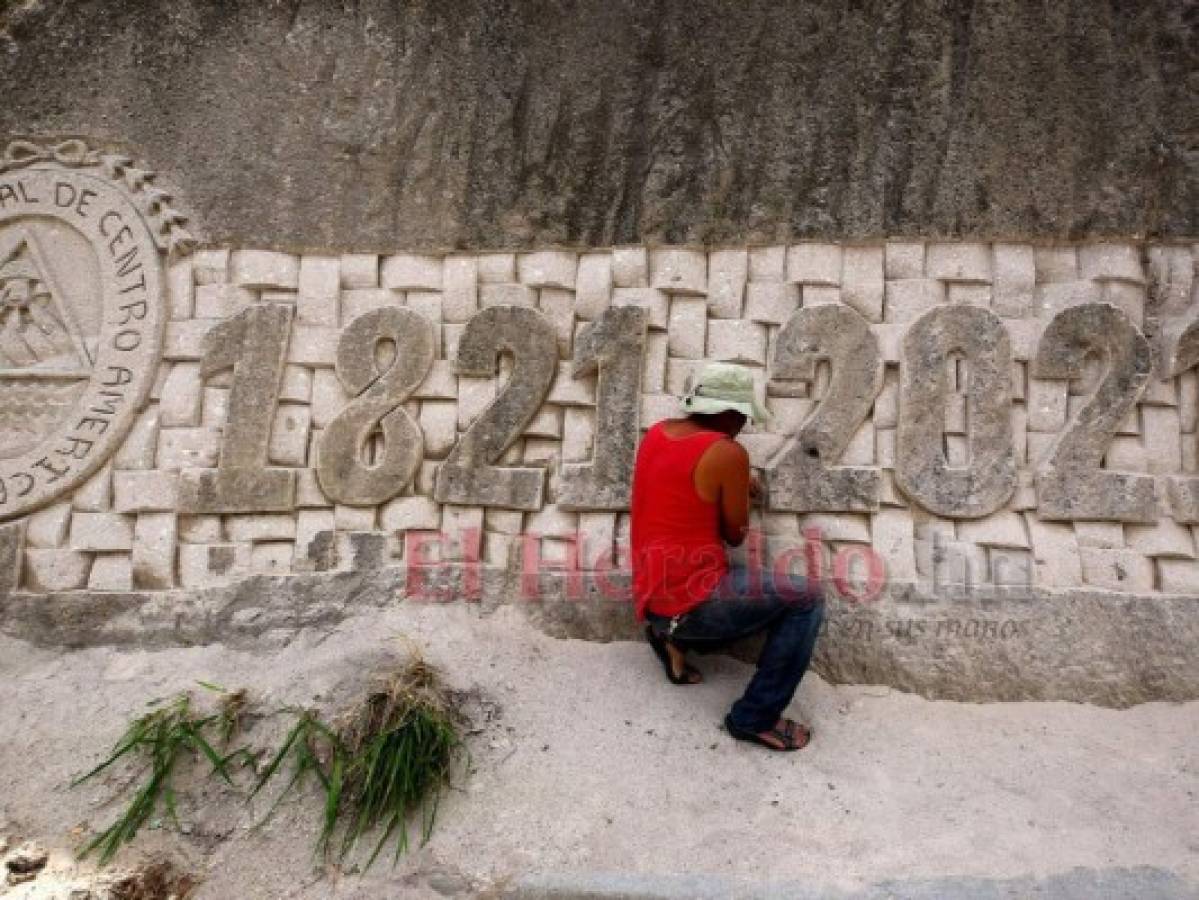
(1082, 645)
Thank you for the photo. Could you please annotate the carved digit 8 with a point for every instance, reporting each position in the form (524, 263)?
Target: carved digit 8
(468, 476)
(343, 474)
(801, 478)
(922, 470)
(1070, 484)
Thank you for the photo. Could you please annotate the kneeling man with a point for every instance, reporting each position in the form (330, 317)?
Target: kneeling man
(691, 493)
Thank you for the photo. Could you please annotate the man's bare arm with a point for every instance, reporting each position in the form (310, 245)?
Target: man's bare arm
(722, 477)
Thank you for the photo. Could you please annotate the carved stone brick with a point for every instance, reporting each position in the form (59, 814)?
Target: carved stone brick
(47, 528)
(222, 301)
(727, 272)
(862, 280)
(737, 340)
(958, 262)
(1055, 552)
(52, 571)
(318, 285)
(770, 302)
(679, 271)
(359, 270)
(181, 289)
(101, 532)
(95, 494)
(1014, 277)
(1056, 263)
(506, 294)
(496, 268)
(548, 269)
(11, 552)
(460, 288)
(264, 269)
(358, 302)
(1110, 261)
(1171, 279)
(139, 491)
(904, 259)
(630, 267)
(908, 299)
(687, 328)
(593, 285)
(411, 272)
(153, 555)
(1117, 570)
(922, 470)
(289, 435)
(814, 263)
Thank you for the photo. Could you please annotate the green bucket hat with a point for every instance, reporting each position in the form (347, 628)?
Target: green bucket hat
(721, 386)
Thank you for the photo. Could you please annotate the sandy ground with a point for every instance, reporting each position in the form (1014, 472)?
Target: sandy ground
(593, 776)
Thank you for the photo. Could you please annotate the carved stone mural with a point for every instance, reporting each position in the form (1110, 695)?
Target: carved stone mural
(972, 413)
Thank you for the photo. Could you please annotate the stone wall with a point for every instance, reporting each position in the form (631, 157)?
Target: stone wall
(934, 378)
(331, 125)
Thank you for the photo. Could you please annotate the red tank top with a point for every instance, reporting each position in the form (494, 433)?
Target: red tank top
(677, 553)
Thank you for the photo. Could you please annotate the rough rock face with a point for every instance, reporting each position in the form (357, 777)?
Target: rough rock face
(376, 125)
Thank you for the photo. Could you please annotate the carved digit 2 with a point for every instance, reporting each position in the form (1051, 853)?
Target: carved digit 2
(344, 476)
(922, 470)
(801, 478)
(614, 345)
(254, 344)
(1184, 490)
(468, 476)
(1070, 484)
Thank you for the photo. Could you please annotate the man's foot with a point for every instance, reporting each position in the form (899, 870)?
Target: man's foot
(786, 735)
(679, 668)
(673, 660)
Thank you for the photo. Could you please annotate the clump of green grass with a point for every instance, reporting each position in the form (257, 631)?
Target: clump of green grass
(161, 739)
(390, 758)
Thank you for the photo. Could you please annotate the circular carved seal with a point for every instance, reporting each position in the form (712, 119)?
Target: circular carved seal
(81, 323)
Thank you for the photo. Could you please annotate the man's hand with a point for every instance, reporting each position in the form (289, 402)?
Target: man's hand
(756, 491)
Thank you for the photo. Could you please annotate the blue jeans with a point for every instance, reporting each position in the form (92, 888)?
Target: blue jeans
(743, 604)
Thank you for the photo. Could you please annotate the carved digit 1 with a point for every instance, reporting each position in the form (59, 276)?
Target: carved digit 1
(1070, 484)
(922, 470)
(614, 345)
(344, 475)
(254, 344)
(1183, 490)
(801, 477)
(468, 476)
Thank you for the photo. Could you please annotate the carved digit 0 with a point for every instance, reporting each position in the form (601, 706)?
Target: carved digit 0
(344, 474)
(468, 476)
(614, 345)
(1183, 490)
(922, 470)
(801, 477)
(1070, 484)
(254, 344)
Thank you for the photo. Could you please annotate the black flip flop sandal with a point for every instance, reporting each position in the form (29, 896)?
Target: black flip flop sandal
(786, 738)
(691, 675)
